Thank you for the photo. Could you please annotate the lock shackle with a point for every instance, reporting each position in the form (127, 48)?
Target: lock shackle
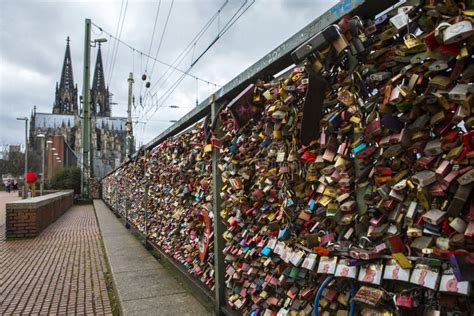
(369, 242)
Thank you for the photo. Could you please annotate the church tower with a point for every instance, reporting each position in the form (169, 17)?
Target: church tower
(66, 91)
(100, 101)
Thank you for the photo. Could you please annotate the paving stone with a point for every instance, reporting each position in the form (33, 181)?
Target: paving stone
(41, 275)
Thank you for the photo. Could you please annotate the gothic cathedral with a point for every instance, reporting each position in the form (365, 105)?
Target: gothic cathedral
(108, 133)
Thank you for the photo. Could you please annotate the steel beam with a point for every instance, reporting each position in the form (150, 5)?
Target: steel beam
(219, 229)
(86, 119)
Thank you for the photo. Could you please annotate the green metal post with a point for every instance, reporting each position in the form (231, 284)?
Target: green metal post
(86, 118)
(145, 201)
(219, 243)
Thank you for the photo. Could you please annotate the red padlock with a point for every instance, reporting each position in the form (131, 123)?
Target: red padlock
(468, 140)
(404, 301)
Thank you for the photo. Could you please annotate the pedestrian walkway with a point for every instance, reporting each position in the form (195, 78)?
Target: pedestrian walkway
(59, 272)
(144, 287)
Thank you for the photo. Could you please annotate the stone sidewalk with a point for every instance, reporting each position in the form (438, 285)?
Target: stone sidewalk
(59, 272)
(144, 287)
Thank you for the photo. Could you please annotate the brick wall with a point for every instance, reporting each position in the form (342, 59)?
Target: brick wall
(28, 218)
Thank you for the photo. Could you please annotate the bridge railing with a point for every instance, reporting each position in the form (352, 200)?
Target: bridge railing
(136, 196)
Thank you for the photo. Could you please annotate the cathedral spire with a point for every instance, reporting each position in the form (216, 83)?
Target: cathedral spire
(67, 79)
(99, 92)
(98, 82)
(66, 92)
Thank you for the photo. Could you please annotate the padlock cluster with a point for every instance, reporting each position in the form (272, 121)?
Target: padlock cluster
(376, 208)
(115, 189)
(176, 214)
(346, 183)
(180, 199)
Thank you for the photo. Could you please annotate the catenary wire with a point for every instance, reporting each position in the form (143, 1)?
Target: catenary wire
(161, 38)
(157, 60)
(151, 39)
(114, 57)
(179, 59)
(153, 33)
(115, 42)
(226, 27)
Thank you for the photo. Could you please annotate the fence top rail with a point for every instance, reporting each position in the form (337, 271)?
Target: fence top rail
(39, 201)
(272, 63)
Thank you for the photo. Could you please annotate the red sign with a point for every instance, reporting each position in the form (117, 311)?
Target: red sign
(203, 245)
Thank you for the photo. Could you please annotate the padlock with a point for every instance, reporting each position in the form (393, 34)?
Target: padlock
(449, 283)
(393, 271)
(368, 296)
(412, 42)
(404, 301)
(425, 276)
(401, 115)
(457, 32)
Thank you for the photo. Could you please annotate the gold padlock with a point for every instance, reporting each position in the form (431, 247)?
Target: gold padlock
(412, 42)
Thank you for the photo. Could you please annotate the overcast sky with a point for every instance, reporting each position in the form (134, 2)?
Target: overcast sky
(33, 39)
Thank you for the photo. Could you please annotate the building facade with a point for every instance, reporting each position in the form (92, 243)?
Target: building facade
(108, 134)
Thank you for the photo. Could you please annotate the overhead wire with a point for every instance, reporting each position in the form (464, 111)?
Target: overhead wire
(226, 27)
(161, 38)
(114, 57)
(115, 42)
(157, 60)
(153, 33)
(151, 39)
(159, 45)
(179, 59)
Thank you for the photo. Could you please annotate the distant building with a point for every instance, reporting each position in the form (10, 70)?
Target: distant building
(61, 156)
(4, 152)
(109, 135)
(15, 148)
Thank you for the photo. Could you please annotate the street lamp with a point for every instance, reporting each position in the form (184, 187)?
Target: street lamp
(26, 149)
(49, 143)
(98, 40)
(42, 136)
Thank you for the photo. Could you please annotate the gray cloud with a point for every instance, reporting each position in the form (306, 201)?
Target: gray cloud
(32, 43)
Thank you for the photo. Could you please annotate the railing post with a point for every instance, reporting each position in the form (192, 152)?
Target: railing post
(219, 243)
(116, 211)
(145, 201)
(127, 206)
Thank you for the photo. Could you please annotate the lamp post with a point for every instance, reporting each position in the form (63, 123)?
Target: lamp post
(26, 150)
(53, 165)
(86, 118)
(49, 143)
(42, 136)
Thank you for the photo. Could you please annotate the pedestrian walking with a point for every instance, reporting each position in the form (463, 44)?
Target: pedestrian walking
(8, 186)
(31, 179)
